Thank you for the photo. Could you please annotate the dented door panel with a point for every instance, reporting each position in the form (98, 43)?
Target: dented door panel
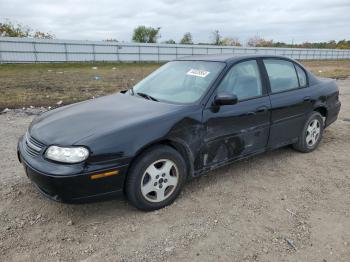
(236, 131)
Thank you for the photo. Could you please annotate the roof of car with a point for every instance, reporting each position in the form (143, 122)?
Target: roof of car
(228, 58)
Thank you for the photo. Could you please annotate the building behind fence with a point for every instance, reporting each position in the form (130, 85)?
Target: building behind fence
(27, 50)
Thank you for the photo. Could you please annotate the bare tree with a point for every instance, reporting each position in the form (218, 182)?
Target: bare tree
(228, 41)
(216, 37)
(258, 41)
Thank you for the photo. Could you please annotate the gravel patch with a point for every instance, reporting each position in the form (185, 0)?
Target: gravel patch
(279, 206)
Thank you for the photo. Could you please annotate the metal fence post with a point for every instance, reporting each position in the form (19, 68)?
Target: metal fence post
(94, 52)
(65, 51)
(1, 53)
(158, 53)
(139, 48)
(176, 51)
(118, 58)
(35, 52)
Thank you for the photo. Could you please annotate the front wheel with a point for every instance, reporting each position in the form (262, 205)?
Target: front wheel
(156, 178)
(311, 134)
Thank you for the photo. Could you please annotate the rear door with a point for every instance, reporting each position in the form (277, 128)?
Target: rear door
(290, 100)
(234, 131)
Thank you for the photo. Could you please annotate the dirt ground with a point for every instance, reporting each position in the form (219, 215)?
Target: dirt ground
(280, 206)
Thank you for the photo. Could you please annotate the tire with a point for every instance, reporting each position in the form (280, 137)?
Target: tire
(155, 178)
(311, 134)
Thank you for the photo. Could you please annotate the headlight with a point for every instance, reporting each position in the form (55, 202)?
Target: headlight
(67, 154)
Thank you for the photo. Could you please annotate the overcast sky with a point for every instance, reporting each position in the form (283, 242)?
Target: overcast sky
(280, 20)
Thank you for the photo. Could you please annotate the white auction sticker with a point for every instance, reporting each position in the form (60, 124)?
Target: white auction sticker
(197, 72)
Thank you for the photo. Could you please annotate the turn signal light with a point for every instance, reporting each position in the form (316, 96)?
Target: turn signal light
(105, 174)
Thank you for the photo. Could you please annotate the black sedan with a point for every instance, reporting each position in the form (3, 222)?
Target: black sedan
(188, 117)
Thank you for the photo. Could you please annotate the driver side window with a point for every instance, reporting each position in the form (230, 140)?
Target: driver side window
(243, 80)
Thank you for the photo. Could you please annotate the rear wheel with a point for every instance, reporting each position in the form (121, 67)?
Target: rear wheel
(156, 178)
(311, 134)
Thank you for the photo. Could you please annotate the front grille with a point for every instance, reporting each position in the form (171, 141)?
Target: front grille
(32, 146)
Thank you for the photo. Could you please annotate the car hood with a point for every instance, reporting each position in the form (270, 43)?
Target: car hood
(70, 124)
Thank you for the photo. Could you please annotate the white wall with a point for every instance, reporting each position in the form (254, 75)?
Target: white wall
(27, 50)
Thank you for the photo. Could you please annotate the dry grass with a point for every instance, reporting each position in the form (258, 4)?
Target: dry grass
(46, 84)
(333, 69)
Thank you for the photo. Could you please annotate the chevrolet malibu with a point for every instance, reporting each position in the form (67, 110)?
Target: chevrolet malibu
(188, 117)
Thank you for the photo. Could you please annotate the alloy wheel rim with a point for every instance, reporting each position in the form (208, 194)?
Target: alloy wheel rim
(159, 180)
(313, 132)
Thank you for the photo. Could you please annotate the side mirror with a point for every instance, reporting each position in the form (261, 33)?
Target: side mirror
(222, 99)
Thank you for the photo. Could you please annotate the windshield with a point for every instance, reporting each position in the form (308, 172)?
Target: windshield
(179, 81)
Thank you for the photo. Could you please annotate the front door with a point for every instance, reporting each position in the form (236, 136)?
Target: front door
(242, 129)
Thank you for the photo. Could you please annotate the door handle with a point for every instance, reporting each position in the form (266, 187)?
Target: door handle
(261, 109)
(307, 98)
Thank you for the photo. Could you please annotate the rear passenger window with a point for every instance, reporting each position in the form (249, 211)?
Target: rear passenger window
(282, 75)
(301, 76)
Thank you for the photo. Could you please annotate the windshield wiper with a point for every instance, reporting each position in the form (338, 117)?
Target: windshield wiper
(147, 96)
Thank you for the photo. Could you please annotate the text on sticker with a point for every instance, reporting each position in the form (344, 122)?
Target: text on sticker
(197, 72)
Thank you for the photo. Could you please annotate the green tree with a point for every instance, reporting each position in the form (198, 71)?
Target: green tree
(170, 41)
(143, 34)
(343, 44)
(7, 28)
(187, 39)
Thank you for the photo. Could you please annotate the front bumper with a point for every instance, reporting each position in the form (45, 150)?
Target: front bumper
(75, 187)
